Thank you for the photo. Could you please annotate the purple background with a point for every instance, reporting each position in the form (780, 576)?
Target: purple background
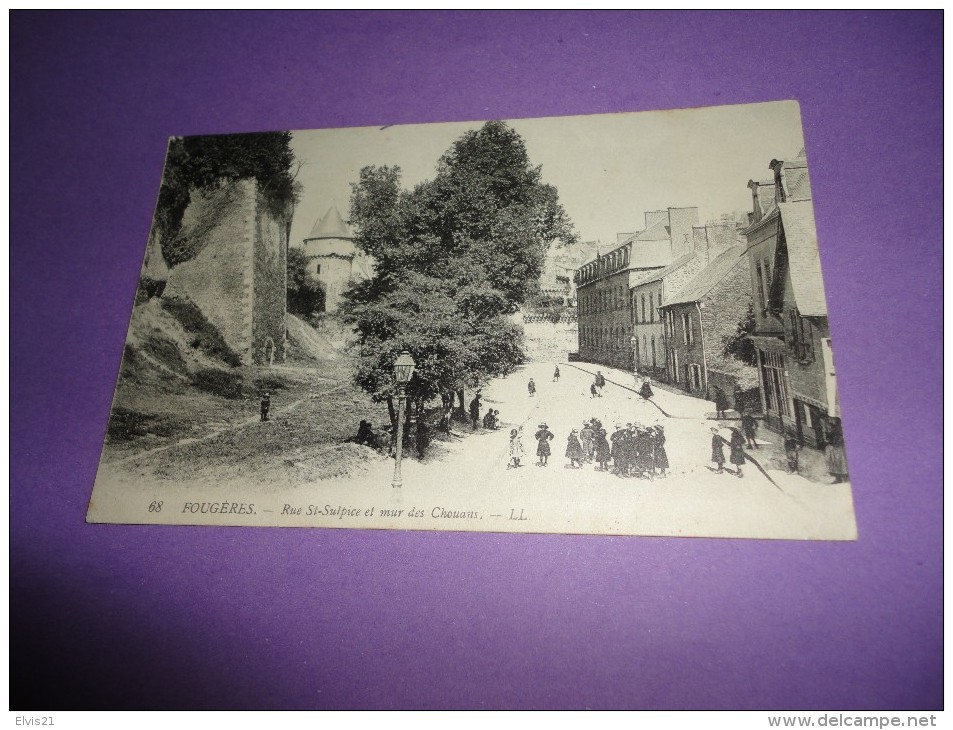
(188, 617)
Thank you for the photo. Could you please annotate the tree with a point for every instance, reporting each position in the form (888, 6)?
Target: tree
(454, 257)
(739, 345)
(306, 295)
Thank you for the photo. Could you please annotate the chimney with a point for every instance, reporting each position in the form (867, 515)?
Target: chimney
(755, 202)
(654, 216)
(720, 237)
(778, 166)
(681, 222)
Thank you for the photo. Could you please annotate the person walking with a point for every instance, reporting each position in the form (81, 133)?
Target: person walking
(593, 391)
(602, 451)
(791, 448)
(556, 374)
(717, 450)
(265, 406)
(721, 403)
(618, 439)
(600, 381)
(531, 387)
(749, 424)
(661, 457)
(475, 410)
(516, 449)
(587, 440)
(737, 445)
(574, 450)
(543, 436)
(645, 461)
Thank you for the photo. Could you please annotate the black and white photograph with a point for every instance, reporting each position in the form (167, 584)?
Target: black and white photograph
(607, 324)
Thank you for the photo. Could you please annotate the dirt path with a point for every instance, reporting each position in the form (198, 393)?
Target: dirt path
(144, 455)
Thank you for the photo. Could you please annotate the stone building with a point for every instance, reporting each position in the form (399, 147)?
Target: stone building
(604, 284)
(649, 352)
(333, 258)
(699, 317)
(791, 333)
(238, 274)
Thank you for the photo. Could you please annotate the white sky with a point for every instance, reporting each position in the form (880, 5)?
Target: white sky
(608, 168)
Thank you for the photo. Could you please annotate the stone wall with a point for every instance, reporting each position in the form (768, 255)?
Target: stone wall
(237, 278)
(270, 281)
(220, 225)
(724, 307)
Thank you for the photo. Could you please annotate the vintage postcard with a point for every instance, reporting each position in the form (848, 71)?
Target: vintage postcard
(610, 324)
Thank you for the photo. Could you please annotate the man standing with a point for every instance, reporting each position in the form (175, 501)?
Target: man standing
(721, 403)
(749, 424)
(475, 411)
(265, 406)
(600, 381)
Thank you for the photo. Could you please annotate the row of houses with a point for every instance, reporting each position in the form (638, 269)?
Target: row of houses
(664, 301)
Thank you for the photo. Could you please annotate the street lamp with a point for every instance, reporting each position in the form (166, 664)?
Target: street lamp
(403, 371)
(633, 342)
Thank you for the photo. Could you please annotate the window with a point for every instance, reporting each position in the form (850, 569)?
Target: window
(654, 364)
(643, 308)
(801, 342)
(774, 380)
(652, 307)
(318, 271)
(761, 298)
(688, 334)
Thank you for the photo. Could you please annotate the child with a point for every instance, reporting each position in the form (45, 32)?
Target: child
(574, 450)
(544, 436)
(791, 447)
(516, 450)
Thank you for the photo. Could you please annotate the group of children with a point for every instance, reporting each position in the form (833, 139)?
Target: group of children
(634, 450)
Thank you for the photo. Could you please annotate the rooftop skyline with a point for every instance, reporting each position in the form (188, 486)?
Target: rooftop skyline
(609, 169)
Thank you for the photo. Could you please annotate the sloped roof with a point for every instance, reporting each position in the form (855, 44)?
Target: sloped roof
(707, 278)
(804, 262)
(670, 269)
(332, 225)
(658, 231)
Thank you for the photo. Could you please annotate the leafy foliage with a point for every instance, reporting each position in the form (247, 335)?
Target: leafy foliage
(454, 257)
(738, 345)
(206, 162)
(306, 295)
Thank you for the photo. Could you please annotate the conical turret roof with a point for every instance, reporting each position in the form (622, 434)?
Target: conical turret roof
(332, 225)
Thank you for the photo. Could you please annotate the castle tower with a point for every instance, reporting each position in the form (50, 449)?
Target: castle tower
(333, 257)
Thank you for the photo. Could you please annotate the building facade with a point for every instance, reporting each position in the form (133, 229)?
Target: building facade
(650, 353)
(698, 319)
(604, 321)
(604, 285)
(791, 332)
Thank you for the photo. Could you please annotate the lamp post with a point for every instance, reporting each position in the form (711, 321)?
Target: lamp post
(633, 341)
(403, 371)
